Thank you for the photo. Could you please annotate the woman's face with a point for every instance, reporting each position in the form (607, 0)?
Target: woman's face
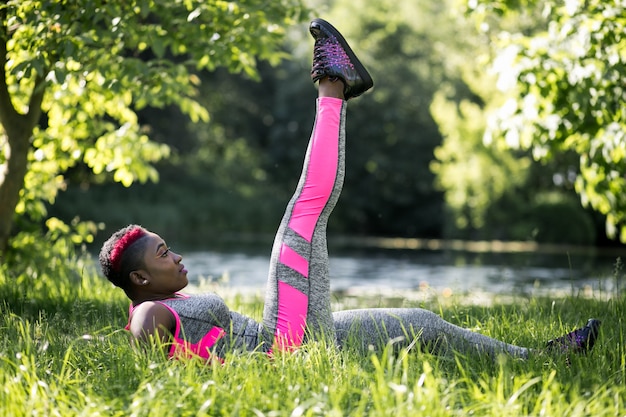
(164, 272)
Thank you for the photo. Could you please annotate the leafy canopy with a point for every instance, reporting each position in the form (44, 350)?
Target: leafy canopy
(104, 60)
(567, 93)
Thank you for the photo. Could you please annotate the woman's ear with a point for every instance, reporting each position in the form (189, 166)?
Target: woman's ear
(138, 278)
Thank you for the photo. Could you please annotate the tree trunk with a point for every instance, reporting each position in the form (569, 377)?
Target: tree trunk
(18, 129)
(10, 186)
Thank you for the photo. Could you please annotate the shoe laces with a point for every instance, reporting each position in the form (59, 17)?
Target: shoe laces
(327, 54)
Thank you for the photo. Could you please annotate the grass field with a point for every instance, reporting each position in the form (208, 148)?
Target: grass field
(62, 353)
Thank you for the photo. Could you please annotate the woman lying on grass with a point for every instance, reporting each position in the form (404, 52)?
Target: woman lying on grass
(297, 301)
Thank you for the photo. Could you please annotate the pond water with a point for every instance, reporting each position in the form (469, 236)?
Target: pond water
(446, 272)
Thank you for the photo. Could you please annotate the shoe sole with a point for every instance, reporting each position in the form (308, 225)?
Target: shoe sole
(360, 69)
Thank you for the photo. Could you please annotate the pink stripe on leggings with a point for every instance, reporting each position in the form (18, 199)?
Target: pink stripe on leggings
(292, 308)
(322, 168)
(290, 258)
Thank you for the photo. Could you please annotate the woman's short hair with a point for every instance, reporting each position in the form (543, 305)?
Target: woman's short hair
(123, 253)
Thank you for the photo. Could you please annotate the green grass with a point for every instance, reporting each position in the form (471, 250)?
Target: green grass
(62, 353)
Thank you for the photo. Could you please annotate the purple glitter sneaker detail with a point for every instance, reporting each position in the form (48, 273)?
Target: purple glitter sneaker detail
(328, 55)
(332, 57)
(578, 341)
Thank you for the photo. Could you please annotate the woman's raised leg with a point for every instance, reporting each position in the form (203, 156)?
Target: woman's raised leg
(298, 289)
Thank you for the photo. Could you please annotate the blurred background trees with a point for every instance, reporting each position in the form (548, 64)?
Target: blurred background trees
(488, 120)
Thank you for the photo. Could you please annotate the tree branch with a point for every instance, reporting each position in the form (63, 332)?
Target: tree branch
(36, 98)
(8, 114)
(13, 121)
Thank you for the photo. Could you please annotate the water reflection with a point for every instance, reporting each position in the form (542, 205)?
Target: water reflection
(372, 270)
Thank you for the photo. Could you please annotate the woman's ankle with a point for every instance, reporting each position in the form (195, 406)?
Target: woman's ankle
(331, 87)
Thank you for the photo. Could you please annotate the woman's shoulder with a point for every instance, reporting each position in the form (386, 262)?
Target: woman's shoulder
(150, 317)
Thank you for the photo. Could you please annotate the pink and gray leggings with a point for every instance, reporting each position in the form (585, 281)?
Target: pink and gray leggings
(297, 303)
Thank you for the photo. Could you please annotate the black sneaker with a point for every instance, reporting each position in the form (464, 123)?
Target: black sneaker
(578, 341)
(332, 57)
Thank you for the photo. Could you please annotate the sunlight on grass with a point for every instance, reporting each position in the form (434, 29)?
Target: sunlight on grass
(66, 355)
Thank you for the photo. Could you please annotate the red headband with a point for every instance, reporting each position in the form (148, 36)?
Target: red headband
(122, 244)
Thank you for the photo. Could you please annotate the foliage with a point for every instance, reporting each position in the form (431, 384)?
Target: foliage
(49, 262)
(474, 176)
(64, 354)
(100, 62)
(567, 95)
(491, 190)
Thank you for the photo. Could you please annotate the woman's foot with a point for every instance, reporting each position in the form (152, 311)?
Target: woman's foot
(578, 341)
(333, 58)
